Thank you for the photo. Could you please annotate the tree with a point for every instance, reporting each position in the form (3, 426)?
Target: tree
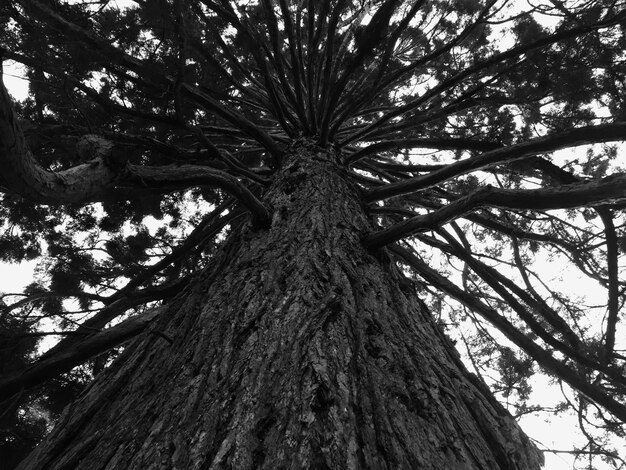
(262, 207)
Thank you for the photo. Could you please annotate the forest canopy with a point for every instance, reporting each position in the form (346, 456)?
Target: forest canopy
(484, 137)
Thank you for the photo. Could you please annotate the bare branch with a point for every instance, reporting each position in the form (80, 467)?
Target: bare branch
(421, 142)
(570, 138)
(605, 191)
(543, 357)
(174, 177)
(52, 366)
(613, 287)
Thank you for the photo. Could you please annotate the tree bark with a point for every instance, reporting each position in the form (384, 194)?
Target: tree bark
(296, 348)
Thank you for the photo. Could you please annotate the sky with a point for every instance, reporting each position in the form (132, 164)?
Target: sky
(559, 433)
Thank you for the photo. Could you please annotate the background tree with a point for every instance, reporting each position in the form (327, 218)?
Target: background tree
(275, 209)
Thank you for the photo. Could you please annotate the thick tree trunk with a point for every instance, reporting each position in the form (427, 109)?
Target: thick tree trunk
(295, 349)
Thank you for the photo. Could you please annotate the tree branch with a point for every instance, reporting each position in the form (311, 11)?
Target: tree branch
(610, 235)
(605, 191)
(613, 287)
(98, 178)
(21, 174)
(52, 366)
(128, 297)
(543, 357)
(150, 75)
(371, 37)
(480, 66)
(172, 177)
(570, 138)
(421, 142)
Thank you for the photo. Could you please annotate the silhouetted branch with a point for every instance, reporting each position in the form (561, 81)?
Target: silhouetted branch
(568, 138)
(151, 76)
(173, 177)
(482, 65)
(419, 142)
(52, 366)
(605, 191)
(543, 357)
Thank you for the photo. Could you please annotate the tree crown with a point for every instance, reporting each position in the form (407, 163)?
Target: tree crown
(152, 131)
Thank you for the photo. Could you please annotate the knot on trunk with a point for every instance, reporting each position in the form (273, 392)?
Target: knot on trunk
(91, 147)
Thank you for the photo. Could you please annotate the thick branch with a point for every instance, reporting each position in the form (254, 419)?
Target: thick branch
(116, 305)
(21, 174)
(613, 287)
(508, 289)
(569, 138)
(421, 142)
(607, 190)
(51, 367)
(371, 38)
(96, 179)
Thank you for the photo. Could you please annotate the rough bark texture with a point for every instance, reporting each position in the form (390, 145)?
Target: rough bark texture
(295, 349)
(21, 174)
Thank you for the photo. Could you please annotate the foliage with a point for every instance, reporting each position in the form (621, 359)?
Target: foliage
(456, 119)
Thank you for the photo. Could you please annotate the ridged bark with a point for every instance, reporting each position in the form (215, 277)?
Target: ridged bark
(296, 348)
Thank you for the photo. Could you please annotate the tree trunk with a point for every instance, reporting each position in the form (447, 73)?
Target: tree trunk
(295, 348)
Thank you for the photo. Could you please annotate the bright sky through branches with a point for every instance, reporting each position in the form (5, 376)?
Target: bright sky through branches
(558, 435)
